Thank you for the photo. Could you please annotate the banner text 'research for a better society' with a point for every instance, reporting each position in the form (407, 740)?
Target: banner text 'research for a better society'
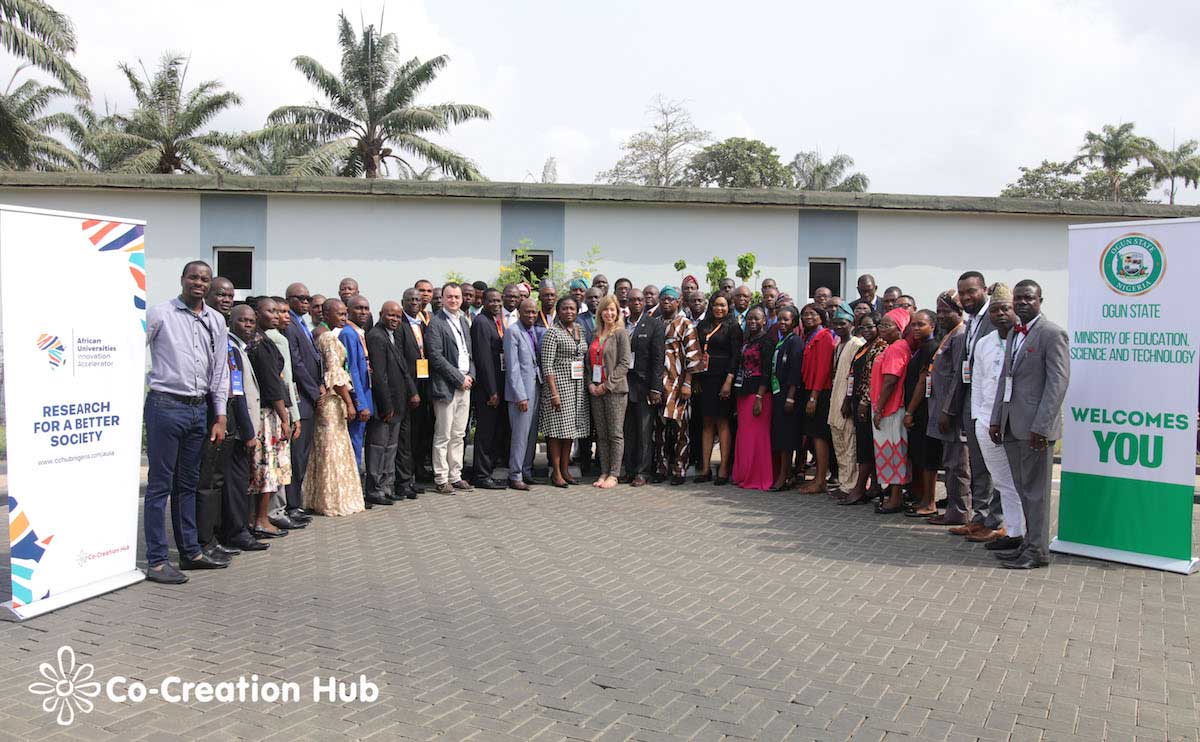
(75, 423)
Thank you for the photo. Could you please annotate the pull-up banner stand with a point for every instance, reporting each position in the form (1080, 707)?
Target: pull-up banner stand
(1129, 441)
(73, 289)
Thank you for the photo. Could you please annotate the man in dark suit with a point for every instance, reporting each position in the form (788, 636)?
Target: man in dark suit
(245, 422)
(410, 352)
(451, 376)
(487, 395)
(307, 375)
(416, 321)
(390, 392)
(646, 345)
(988, 515)
(1027, 417)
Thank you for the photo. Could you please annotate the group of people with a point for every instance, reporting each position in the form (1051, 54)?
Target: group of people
(264, 412)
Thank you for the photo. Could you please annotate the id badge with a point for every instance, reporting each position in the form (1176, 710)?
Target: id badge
(631, 359)
(738, 379)
(501, 363)
(703, 363)
(577, 370)
(422, 368)
(928, 387)
(1008, 388)
(597, 374)
(235, 382)
(538, 369)
(966, 372)
(850, 385)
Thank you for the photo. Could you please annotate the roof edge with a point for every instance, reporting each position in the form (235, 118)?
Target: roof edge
(591, 193)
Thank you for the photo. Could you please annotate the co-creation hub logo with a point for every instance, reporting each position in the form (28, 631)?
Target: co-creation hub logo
(56, 352)
(1133, 264)
(69, 688)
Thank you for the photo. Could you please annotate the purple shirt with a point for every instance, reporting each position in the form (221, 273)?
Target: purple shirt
(188, 352)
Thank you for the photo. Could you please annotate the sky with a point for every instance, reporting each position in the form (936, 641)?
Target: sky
(928, 96)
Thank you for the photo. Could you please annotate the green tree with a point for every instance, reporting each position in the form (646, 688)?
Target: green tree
(1114, 148)
(258, 157)
(745, 267)
(371, 116)
(811, 173)
(162, 134)
(89, 132)
(1069, 181)
(717, 270)
(36, 148)
(1172, 165)
(42, 37)
(659, 155)
(738, 163)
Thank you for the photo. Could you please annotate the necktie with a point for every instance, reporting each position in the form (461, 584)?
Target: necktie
(500, 326)
(1022, 329)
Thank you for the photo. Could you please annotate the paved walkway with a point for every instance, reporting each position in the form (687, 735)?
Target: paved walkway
(662, 613)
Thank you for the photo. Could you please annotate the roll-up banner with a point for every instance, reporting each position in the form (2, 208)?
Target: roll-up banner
(73, 291)
(1129, 441)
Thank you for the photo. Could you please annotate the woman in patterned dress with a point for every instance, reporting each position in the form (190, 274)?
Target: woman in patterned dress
(858, 404)
(563, 414)
(331, 484)
(271, 470)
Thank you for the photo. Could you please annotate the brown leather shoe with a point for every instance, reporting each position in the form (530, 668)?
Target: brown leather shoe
(638, 481)
(987, 535)
(969, 529)
(515, 485)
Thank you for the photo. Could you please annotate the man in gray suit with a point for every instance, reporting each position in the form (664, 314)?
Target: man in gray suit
(945, 419)
(451, 375)
(988, 519)
(1027, 417)
(522, 386)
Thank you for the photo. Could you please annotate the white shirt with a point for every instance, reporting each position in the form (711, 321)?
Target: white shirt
(464, 352)
(513, 317)
(985, 375)
(972, 329)
(1019, 338)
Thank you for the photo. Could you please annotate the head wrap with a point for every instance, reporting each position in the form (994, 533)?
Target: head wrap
(578, 283)
(949, 298)
(668, 292)
(1001, 292)
(685, 280)
(843, 313)
(900, 317)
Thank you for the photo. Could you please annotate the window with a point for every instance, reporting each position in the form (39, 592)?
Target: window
(236, 264)
(540, 263)
(827, 272)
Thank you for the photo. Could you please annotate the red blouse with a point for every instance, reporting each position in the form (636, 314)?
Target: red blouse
(816, 365)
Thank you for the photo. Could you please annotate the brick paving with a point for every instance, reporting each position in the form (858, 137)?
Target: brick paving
(662, 613)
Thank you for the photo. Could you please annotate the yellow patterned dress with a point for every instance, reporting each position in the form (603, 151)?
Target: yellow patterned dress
(331, 483)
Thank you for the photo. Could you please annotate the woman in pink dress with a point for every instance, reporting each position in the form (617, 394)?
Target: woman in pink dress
(752, 465)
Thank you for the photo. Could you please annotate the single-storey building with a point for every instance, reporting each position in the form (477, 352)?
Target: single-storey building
(268, 231)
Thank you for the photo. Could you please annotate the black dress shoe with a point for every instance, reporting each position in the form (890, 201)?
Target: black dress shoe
(676, 481)
(1005, 543)
(167, 575)
(489, 484)
(1008, 555)
(218, 552)
(534, 481)
(201, 561)
(286, 523)
(1024, 562)
(377, 500)
(410, 487)
(624, 479)
(248, 544)
(658, 479)
(263, 533)
(298, 515)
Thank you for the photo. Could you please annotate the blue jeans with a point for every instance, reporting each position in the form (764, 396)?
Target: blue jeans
(174, 436)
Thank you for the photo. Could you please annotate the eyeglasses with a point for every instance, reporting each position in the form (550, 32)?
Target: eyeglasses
(300, 297)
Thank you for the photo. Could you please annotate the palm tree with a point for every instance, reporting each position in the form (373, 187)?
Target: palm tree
(1170, 165)
(371, 117)
(160, 135)
(812, 174)
(1113, 148)
(258, 157)
(37, 149)
(42, 37)
(89, 132)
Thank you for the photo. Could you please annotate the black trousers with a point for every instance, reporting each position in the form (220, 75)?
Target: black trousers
(405, 471)
(300, 449)
(639, 435)
(422, 430)
(236, 514)
(489, 425)
(210, 491)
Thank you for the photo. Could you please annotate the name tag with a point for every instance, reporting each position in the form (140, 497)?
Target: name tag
(966, 372)
(738, 379)
(928, 387)
(597, 374)
(577, 370)
(502, 362)
(422, 368)
(235, 382)
(631, 359)
(703, 363)
(850, 385)
(1007, 381)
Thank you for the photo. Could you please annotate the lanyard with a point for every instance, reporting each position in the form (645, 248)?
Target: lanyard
(500, 327)
(416, 328)
(458, 333)
(708, 337)
(545, 322)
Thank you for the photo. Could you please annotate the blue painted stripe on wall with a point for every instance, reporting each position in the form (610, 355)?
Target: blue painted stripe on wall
(828, 234)
(544, 224)
(235, 221)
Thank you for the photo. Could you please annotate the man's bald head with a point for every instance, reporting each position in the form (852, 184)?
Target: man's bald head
(527, 311)
(357, 301)
(298, 298)
(390, 315)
